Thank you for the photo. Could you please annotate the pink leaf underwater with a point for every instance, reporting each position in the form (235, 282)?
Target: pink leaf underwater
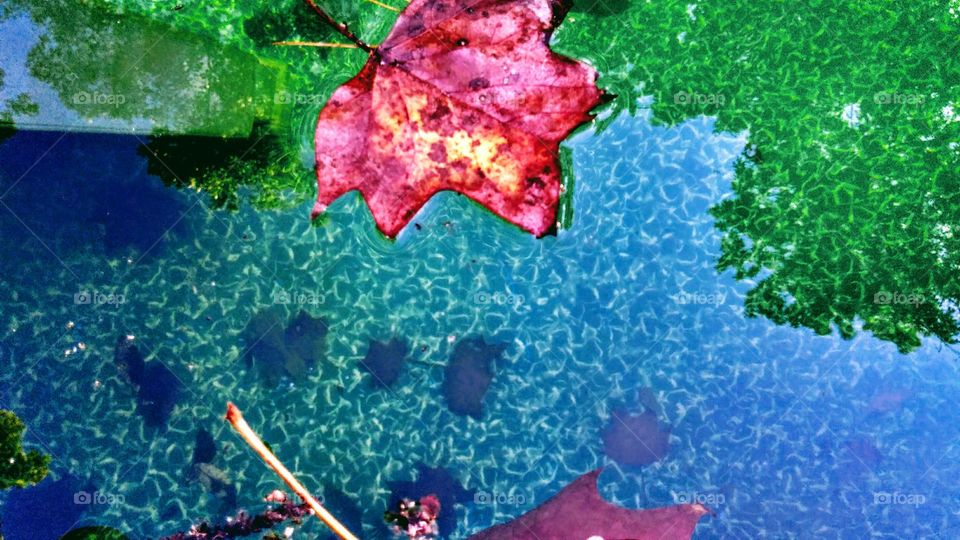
(578, 512)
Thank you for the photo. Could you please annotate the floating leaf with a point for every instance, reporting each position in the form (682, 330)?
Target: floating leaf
(462, 95)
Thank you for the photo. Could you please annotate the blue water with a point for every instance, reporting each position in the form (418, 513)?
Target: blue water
(772, 426)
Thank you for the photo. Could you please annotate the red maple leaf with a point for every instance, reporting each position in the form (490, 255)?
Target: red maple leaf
(579, 511)
(462, 95)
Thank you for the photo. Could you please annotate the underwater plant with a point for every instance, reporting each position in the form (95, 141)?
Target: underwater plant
(415, 520)
(442, 484)
(17, 467)
(244, 524)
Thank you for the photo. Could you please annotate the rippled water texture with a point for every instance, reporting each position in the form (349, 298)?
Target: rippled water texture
(773, 426)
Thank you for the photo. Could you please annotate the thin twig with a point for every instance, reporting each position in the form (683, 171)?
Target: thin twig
(384, 6)
(340, 27)
(314, 44)
(236, 420)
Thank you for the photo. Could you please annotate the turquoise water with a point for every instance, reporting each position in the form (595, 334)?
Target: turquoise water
(776, 429)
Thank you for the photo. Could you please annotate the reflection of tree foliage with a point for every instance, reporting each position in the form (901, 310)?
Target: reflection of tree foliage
(600, 8)
(127, 66)
(288, 21)
(18, 468)
(838, 220)
(829, 216)
(223, 168)
(160, 59)
(94, 532)
(185, 83)
(21, 104)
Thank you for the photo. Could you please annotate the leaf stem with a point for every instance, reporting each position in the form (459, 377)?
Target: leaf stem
(340, 27)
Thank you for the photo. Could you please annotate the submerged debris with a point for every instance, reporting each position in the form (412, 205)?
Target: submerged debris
(384, 361)
(214, 480)
(276, 349)
(635, 439)
(468, 376)
(205, 449)
(158, 389)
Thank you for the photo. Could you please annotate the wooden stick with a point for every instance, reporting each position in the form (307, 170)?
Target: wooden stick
(236, 420)
(315, 44)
